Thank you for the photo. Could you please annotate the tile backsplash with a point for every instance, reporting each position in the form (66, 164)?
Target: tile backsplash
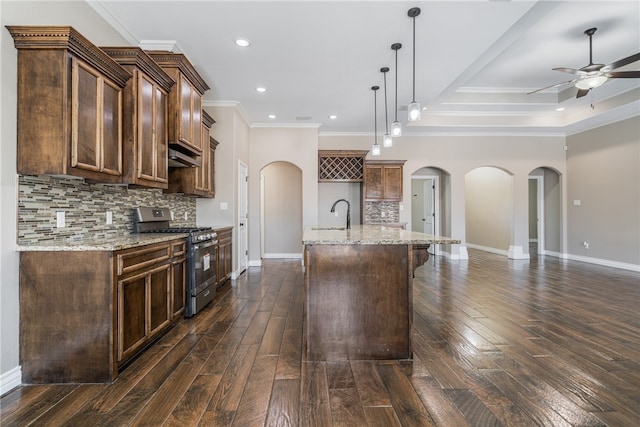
(85, 208)
(373, 212)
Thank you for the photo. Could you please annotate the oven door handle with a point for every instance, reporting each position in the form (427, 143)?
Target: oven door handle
(205, 245)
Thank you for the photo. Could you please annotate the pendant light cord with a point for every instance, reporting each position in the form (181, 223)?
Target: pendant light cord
(386, 117)
(414, 59)
(396, 116)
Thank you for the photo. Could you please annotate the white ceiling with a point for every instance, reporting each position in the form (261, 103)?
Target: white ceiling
(475, 60)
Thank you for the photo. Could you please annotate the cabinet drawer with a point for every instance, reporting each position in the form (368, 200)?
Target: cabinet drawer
(138, 258)
(178, 248)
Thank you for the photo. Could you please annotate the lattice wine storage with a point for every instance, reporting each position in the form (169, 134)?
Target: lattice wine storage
(341, 165)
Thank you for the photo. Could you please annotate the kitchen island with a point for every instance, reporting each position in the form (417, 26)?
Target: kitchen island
(358, 283)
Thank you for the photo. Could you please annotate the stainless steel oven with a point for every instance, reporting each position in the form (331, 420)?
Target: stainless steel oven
(202, 255)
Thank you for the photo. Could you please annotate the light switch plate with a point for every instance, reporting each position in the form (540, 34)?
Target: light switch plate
(224, 206)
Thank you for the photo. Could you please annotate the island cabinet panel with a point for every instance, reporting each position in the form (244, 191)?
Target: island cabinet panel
(85, 314)
(383, 180)
(145, 113)
(358, 302)
(69, 115)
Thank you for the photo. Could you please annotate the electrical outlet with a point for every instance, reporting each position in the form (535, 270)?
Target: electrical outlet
(382, 214)
(186, 216)
(60, 222)
(109, 217)
(586, 245)
(336, 214)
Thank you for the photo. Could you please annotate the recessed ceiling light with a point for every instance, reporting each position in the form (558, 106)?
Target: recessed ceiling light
(261, 89)
(243, 42)
(560, 109)
(333, 117)
(272, 116)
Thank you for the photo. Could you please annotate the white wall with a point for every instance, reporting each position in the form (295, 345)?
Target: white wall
(328, 193)
(88, 23)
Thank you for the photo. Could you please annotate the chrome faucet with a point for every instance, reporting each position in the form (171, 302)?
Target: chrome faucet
(333, 209)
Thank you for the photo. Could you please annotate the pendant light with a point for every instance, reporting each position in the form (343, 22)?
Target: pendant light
(386, 139)
(414, 107)
(375, 149)
(396, 127)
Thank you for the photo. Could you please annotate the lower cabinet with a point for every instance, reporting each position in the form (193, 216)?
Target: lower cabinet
(225, 254)
(84, 314)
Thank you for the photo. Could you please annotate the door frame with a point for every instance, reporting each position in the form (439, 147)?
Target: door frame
(434, 249)
(243, 218)
(540, 210)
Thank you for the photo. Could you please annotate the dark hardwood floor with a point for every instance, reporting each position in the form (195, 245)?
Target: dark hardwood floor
(497, 342)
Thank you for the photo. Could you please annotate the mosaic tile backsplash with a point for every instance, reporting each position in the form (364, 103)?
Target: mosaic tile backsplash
(85, 207)
(373, 212)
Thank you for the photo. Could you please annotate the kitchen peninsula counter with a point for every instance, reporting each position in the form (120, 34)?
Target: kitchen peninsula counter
(359, 293)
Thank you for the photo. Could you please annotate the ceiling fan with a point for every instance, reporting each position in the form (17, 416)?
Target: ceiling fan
(594, 75)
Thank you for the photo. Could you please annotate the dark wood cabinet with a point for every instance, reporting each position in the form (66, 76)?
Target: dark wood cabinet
(199, 180)
(69, 105)
(145, 147)
(383, 180)
(185, 101)
(225, 254)
(84, 314)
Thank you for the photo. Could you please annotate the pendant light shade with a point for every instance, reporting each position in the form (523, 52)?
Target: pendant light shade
(414, 107)
(375, 149)
(396, 127)
(386, 139)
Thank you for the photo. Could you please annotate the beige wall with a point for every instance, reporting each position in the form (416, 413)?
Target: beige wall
(298, 146)
(282, 210)
(603, 172)
(489, 208)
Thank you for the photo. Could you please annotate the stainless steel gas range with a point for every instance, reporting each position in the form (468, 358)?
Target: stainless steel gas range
(202, 248)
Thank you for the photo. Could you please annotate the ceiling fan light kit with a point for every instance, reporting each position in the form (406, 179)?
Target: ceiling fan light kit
(594, 75)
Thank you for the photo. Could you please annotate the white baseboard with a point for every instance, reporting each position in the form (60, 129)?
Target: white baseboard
(516, 252)
(282, 256)
(255, 263)
(488, 249)
(10, 380)
(605, 262)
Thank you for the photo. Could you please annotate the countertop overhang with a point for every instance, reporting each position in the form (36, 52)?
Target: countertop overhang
(114, 243)
(370, 235)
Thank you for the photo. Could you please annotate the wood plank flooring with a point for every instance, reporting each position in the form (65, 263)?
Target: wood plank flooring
(497, 342)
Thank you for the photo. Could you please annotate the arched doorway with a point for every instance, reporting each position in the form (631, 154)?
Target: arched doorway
(281, 211)
(545, 212)
(431, 203)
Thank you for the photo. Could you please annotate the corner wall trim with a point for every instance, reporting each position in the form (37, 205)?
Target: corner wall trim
(516, 252)
(10, 380)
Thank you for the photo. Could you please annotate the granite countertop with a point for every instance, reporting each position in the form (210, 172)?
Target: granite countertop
(369, 235)
(114, 243)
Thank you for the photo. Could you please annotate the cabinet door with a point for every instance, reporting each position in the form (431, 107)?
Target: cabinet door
(190, 120)
(159, 299)
(146, 149)
(212, 171)
(161, 137)
(96, 143)
(392, 183)
(178, 277)
(132, 301)
(373, 179)
(228, 260)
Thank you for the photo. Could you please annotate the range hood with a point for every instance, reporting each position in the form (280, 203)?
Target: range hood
(178, 159)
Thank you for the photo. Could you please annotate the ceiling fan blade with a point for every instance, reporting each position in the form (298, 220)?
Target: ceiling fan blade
(549, 87)
(624, 75)
(569, 70)
(622, 62)
(582, 92)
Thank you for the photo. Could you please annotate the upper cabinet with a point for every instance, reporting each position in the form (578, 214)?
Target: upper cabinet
(145, 156)
(69, 115)
(383, 180)
(185, 102)
(199, 180)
